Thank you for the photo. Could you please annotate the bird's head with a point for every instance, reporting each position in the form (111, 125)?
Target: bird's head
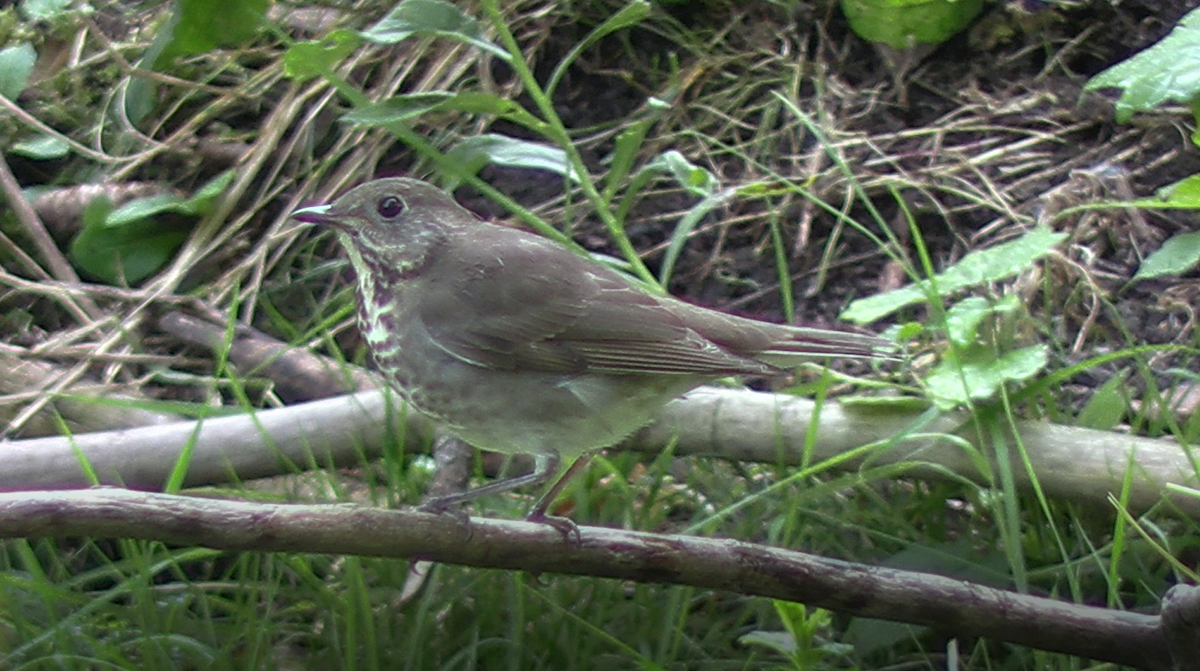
(390, 223)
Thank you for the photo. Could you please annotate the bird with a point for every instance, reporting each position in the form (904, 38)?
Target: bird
(517, 344)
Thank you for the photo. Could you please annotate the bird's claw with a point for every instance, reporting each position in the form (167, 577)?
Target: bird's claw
(563, 525)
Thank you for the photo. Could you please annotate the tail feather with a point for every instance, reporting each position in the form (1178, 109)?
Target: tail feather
(805, 344)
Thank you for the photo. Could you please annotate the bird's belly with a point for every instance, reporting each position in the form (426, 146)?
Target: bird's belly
(530, 412)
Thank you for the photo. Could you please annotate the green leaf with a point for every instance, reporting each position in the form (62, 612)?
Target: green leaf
(403, 108)
(778, 641)
(125, 254)
(197, 205)
(1168, 70)
(43, 10)
(202, 200)
(140, 99)
(1107, 406)
(1182, 195)
(695, 179)
(16, 64)
(684, 228)
(1177, 255)
(201, 26)
(687, 174)
(305, 60)
(42, 147)
(903, 24)
(963, 319)
(486, 103)
(128, 244)
(979, 375)
(979, 267)
(625, 150)
(143, 208)
(475, 152)
(430, 17)
(398, 109)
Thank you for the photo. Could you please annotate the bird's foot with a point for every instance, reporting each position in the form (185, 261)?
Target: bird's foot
(442, 507)
(564, 525)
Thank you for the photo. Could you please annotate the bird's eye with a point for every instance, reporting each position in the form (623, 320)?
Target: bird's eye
(390, 207)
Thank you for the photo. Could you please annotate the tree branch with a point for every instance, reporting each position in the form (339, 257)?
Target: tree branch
(1080, 465)
(952, 606)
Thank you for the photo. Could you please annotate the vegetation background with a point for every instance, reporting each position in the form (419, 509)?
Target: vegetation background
(754, 156)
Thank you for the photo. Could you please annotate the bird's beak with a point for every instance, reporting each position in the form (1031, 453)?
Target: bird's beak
(317, 214)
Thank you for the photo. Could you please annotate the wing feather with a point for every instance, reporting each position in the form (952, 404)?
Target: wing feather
(543, 308)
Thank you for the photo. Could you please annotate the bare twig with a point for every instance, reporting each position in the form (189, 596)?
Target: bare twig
(57, 263)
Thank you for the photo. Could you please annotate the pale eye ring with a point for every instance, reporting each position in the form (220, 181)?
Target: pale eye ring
(390, 207)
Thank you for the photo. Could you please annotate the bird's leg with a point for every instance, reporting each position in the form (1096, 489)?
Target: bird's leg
(544, 467)
(565, 526)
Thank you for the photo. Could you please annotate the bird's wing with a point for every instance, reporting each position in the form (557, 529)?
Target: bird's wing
(628, 330)
(542, 308)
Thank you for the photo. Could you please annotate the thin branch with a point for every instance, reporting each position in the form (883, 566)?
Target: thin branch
(1072, 463)
(952, 606)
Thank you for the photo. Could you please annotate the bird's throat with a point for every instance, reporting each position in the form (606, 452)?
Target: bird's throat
(379, 287)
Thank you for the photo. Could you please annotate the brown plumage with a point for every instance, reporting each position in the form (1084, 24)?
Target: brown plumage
(519, 345)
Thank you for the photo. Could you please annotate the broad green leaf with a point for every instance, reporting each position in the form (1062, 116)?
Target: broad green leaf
(128, 244)
(963, 319)
(475, 152)
(1182, 195)
(1107, 406)
(305, 60)
(486, 103)
(430, 17)
(140, 97)
(42, 147)
(903, 24)
(201, 26)
(142, 208)
(1168, 70)
(124, 254)
(1177, 255)
(982, 374)
(196, 205)
(16, 64)
(691, 177)
(979, 267)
